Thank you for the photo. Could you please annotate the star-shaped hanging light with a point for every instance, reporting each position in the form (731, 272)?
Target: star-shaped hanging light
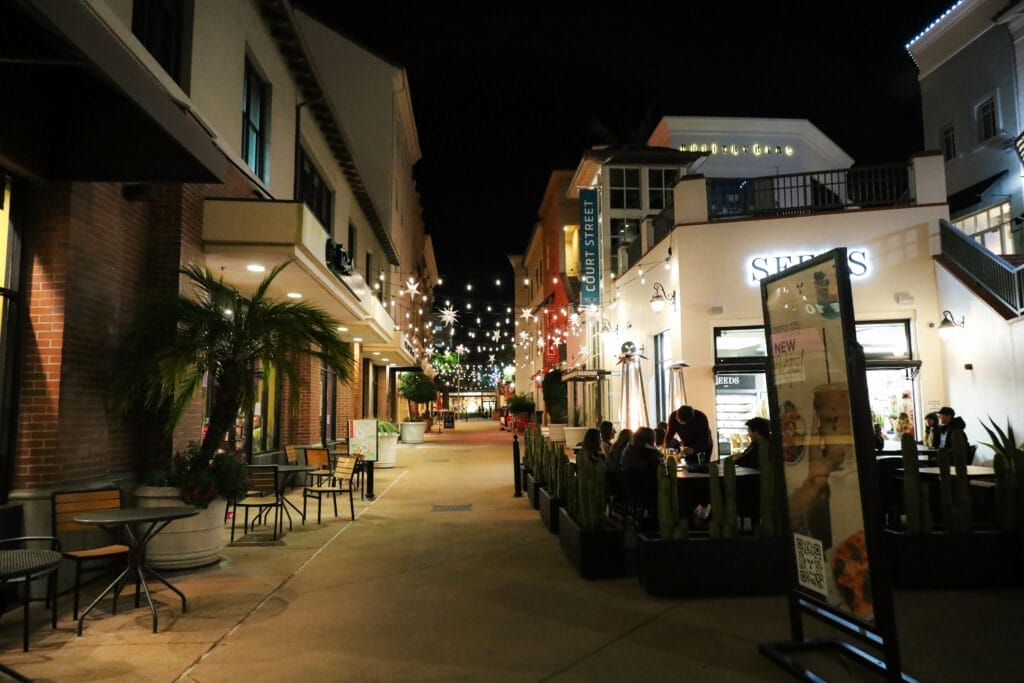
(526, 314)
(490, 358)
(449, 316)
(411, 288)
(496, 335)
(461, 350)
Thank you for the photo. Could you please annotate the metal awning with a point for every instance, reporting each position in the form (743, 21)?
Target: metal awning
(970, 196)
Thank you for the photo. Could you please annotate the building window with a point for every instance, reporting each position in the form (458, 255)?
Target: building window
(161, 27)
(991, 228)
(314, 191)
(11, 303)
(625, 188)
(255, 121)
(660, 182)
(624, 231)
(948, 136)
(987, 120)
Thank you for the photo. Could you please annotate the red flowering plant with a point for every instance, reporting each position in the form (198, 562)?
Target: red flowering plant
(202, 479)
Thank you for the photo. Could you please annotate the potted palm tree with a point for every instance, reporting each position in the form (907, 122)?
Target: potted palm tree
(218, 334)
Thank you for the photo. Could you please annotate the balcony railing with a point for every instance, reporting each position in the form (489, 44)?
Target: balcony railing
(799, 194)
(1001, 279)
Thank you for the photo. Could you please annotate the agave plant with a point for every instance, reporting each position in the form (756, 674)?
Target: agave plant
(217, 331)
(1009, 467)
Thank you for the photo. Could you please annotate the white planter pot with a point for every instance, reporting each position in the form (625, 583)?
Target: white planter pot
(387, 447)
(573, 435)
(556, 432)
(184, 543)
(412, 432)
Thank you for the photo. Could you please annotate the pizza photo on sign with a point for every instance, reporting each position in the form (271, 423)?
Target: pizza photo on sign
(852, 577)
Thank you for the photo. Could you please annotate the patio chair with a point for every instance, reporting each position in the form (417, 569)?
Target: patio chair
(341, 482)
(64, 505)
(264, 494)
(25, 568)
(320, 460)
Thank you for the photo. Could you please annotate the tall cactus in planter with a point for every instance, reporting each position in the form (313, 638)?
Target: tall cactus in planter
(591, 503)
(913, 501)
(1009, 467)
(670, 524)
(723, 501)
(955, 491)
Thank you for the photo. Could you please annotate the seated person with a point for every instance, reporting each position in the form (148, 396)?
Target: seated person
(879, 438)
(692, 428)
(659, 433)
(757, 427)
(640, 462)
(614, 456)
(607, 434)
(591, 446)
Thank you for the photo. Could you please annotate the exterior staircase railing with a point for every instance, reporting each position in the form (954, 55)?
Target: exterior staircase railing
(996, 275)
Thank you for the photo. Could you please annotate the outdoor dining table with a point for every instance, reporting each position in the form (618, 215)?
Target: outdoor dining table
(972, 471)
(286, 474)
(695, 489)
(125, 519)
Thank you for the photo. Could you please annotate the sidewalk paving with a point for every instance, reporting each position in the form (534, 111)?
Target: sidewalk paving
(405, 593)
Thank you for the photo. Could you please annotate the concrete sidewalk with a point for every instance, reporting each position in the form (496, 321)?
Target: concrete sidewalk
(407, 593)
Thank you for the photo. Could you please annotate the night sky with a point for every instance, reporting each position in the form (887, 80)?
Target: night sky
(505, 94)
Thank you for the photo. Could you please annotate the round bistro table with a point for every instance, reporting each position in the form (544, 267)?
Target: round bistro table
(125, 519)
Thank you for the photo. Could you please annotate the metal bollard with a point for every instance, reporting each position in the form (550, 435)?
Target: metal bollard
(515, 467)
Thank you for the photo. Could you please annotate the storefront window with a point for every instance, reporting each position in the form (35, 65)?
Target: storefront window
(739, 343)
(990, 227)
(10, 304)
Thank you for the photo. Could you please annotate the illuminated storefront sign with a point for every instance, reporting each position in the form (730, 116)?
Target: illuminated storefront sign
(590, 265)
(762, 265)
(731, 149)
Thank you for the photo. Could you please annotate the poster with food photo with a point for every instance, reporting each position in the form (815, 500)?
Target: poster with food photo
(805, 326)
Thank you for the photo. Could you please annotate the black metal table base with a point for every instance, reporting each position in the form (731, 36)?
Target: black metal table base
(136, 568)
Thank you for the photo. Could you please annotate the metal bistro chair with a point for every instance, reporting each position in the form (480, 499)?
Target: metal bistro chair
(21, 563)
(341, 482)
(64, 505)
(264, 494)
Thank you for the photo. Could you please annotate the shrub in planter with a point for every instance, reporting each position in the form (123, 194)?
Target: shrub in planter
(596, 551)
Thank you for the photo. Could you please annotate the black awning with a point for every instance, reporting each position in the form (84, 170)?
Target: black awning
(971, 196)
(76, 104)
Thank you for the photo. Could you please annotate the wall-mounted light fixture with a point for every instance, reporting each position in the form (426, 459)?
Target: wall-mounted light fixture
(949, 327)
(660, 297)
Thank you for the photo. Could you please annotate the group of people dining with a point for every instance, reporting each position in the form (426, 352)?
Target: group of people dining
(633, 457)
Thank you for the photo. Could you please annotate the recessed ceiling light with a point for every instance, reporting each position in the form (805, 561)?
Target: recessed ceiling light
(342, 328)
(376, 353)
(385, 359)
(255, 268)
(294, 295)
(357, 339)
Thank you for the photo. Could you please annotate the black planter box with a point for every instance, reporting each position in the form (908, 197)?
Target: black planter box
(523, 474)
(533, 491)
(549, 510)
(980, 559)
(595, 554)
(699, 567)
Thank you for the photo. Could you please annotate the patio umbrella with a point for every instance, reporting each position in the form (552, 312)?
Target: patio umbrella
(632, 402)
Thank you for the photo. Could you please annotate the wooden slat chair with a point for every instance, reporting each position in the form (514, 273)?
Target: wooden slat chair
(64, 505)
(320, 460)
(291, 454)
(341, 482)
(264, 494)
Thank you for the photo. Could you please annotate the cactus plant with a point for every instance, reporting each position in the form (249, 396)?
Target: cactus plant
(913, 501)
(591, 501)
(670, 524)
(955, 491)
(723, 522)
(1009, 467)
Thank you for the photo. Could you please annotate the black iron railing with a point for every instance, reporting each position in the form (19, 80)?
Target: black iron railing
(1000, 278)
(803, 193)
(663, 222)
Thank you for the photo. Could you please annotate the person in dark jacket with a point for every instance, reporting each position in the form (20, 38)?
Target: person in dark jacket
(640, 464)
(591, 447)
(931, 430)
(757, 427)
(949, 423)
(694, 432)
(614, 457)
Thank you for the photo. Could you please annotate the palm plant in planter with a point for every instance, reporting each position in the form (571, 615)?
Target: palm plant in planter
(217, 333)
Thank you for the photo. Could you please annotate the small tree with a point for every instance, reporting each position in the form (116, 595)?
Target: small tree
(416, 388)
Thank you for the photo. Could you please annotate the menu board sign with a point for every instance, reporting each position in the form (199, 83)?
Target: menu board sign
(362, 439)
(807, 323)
